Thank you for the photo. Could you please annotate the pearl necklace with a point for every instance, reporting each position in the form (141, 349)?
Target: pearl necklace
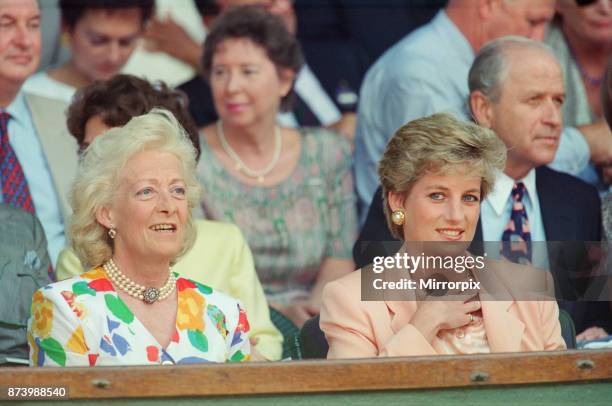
(147, 295)
(590, 80)
(240, 165)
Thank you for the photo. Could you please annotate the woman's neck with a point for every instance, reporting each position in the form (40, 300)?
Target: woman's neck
(591, 56)
(147, 272)
(255, 141)
(68, 74)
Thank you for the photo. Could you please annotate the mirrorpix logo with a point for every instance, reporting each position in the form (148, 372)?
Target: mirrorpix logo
(439, 285)
(435, 285)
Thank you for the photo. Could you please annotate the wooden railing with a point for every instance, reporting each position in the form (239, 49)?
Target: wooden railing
(317, 376)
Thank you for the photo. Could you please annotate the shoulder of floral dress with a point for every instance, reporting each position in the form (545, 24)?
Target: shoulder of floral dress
(325, 136)
(94, 273)
(183, 284)
(328, 147)
(89, 287)
(212, 295)
(66, 284)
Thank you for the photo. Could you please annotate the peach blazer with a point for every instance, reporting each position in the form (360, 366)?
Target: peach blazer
(364, 329)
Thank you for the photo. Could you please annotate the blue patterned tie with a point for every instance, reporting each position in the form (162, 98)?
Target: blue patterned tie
(15, 190)
(516, 238)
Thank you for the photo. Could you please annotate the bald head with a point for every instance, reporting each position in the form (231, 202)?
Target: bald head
(491, 65)
(482, 21)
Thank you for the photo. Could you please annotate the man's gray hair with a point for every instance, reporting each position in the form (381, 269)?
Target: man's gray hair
(491, 65)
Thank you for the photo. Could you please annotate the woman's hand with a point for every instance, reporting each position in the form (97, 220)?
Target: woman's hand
(592, 333)
(436, 315)
(255, 355)
(299, 312)
(163, 35)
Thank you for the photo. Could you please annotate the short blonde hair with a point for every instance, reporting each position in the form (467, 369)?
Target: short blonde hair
(99, 173)
(437, 143)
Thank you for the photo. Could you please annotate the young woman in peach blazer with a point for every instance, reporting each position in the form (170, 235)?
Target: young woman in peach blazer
(434, 173)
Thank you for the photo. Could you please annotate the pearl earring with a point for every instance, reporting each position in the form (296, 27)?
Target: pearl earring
(398, 217)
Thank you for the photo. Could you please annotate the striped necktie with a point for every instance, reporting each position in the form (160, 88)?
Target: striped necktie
(516, 239)
(15, 190)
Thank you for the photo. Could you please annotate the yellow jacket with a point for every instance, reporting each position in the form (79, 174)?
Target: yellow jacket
(221, 259)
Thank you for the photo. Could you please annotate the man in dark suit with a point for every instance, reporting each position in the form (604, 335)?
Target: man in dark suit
(23, 269)
(516, 89)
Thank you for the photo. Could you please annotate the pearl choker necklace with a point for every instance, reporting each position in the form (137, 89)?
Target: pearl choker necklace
(147, 295)
(240, 165)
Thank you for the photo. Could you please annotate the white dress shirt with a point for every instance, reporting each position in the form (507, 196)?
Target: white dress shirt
(26, 144)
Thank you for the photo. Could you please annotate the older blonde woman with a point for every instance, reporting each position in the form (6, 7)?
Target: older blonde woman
(435, 172)
(220, 256)
(132, 220)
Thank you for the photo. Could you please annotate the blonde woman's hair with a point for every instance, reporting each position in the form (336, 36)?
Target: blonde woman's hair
(437, 144)
(99, 175)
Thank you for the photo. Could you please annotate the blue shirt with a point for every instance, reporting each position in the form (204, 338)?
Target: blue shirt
(26, 144)
(425, 73)
(495, 215)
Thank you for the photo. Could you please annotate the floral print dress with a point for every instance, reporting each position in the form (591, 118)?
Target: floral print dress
(293, 226)
(82, 321)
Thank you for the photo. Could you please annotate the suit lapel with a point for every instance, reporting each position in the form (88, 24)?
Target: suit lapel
(402, 312)
(478, 234)
(504, 330)
(553, 206)
(60, 148)
(477, 246)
